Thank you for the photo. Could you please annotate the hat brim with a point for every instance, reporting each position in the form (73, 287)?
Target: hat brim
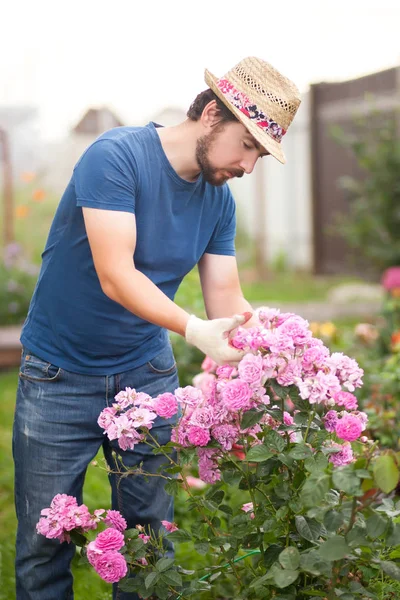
(271, 145)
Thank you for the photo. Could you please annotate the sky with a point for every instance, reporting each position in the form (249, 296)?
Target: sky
(139, 56)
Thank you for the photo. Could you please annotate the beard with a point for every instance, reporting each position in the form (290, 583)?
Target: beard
(211, 174)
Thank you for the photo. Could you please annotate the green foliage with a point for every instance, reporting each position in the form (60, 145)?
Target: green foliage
(373, 221)
(17, 281)
(310, 530)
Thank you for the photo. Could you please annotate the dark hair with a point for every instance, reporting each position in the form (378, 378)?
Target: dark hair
(200, 102)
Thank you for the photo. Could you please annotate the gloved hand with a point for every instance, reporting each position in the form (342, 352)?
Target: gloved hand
(212, 337)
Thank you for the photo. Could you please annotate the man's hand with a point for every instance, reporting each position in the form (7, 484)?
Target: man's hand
(212, 337)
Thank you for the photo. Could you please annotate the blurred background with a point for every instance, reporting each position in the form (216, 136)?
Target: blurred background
(315, 236)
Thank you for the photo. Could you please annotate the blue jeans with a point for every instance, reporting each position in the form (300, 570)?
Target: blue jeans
(55, 437)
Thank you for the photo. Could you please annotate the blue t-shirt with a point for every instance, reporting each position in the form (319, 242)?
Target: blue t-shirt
(71, 322)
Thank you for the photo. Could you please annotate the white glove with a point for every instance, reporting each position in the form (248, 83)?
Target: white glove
(212, 337)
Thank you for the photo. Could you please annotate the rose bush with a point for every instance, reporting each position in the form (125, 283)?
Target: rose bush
(317, 520)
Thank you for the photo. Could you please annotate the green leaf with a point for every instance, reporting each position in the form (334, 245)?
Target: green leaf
(300, 404)
(271, 554)
(286, 460)
(215, 495)
(179, 536)
(300, 451)
(344, 480)
(335, 548)
(231, 477)
(333, 520)
(376, 525)
(77, 538)
(391, 569)
(162, 592)
(259, 581)
(202, 547)
(282, 513)
(186, 456)
(386, 473)
(172, 487)
(357, 536)
(279, 390)
(128, 584)
(131, 534)
(318, 462)
(311, 562)
(171, 578)
(285, 577)
(258, 453)
(393, 538)
(290, 558)
(215, 576)
(151, 579)
(301, 418)
(309, 529)
(314, 489)
(225, 508)
(174, 469)
(210, 505)
(199, 586)
(250, 418)
(135, 545)
(274, 441)
(163, 564)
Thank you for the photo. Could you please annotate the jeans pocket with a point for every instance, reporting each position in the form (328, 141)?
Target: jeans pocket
(164, 363)
(34, 368)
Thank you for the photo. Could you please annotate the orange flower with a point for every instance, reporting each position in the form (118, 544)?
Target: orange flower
(21, 212)
(38, 195)
(395, 292)
(395, 341)
(28, 176)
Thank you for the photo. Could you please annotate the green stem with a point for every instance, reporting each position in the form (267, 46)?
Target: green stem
(352, 516)
(310, 420)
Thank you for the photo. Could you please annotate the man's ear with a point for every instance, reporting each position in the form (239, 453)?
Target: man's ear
(210, 115)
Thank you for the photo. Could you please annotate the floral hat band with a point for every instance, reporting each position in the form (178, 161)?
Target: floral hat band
(240, 101)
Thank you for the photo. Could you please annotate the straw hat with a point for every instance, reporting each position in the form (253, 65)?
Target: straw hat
(261, 98)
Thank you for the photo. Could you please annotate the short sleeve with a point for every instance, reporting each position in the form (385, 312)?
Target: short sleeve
(104, 178)
(223, 238)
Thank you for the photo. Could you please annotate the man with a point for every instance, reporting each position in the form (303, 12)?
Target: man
(143, 207)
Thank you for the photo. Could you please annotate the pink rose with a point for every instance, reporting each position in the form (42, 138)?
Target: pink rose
(109, 539)
(236, 395)
(170, 527)
(198, 436)
(248, 507)
(111, 566)
(342, 458)
(349, 428)
(204, 382)
(208, 365)
(166, 405)
(115, 519)
(226, 372)
(251, 369)
(346, 399)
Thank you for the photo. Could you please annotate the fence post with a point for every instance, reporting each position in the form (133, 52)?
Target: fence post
(8, 204)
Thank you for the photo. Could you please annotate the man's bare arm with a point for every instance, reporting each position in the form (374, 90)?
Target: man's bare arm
(221, 287)
(112, 239)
